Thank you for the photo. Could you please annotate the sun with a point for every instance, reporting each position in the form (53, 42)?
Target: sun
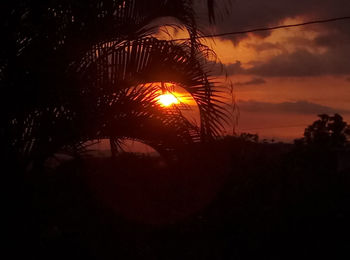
(167, 100)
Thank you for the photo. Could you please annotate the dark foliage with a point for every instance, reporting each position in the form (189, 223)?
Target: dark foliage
(69, 70)
(73, 71)
(328, 131)
(244, 201)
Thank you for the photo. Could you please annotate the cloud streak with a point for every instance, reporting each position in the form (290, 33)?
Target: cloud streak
(256, 13)
(253, 81)
(301, 63)
(305, 59)
(298, 107)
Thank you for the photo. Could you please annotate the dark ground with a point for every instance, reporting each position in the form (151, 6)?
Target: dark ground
(231, 200)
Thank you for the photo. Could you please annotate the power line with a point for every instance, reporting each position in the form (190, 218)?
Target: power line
(262, 29)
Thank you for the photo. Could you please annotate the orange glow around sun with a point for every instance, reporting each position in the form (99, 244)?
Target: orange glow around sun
(167, 99)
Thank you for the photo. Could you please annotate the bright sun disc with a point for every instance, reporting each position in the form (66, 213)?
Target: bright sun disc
(167, 100)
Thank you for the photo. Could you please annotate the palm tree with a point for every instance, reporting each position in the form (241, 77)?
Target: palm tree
(73, 71)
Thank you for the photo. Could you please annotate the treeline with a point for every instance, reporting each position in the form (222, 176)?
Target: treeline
(230, 199)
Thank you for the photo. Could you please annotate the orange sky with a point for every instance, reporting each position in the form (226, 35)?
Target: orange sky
(282, 80)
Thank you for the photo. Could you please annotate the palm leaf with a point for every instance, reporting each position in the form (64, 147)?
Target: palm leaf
(116, 68)
(73, 55)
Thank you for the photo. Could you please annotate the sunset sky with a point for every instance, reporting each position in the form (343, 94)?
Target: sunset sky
(284, 78)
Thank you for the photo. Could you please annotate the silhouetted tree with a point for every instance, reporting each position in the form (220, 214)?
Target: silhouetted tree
(249, 137)
(328, 131)
(71, 71)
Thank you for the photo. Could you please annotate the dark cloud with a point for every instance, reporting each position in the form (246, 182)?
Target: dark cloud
(304, 63)
(301, 63)
(234, 68)
(333, 37)
(250, 14)
(265, 46)
(298, 107)
(253, 81)
(348, 79)
(334, 60)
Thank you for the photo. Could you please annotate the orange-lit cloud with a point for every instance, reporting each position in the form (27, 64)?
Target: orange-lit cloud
(304, 69)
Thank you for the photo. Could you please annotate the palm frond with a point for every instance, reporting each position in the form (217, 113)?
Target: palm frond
(136, 114)
(86, 58)
(116, 68)
(40, 40)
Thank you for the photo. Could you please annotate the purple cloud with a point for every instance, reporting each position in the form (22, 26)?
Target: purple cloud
(245, 15)
(300, 63)
(253, 81)
(298, 107)
(333, 37)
